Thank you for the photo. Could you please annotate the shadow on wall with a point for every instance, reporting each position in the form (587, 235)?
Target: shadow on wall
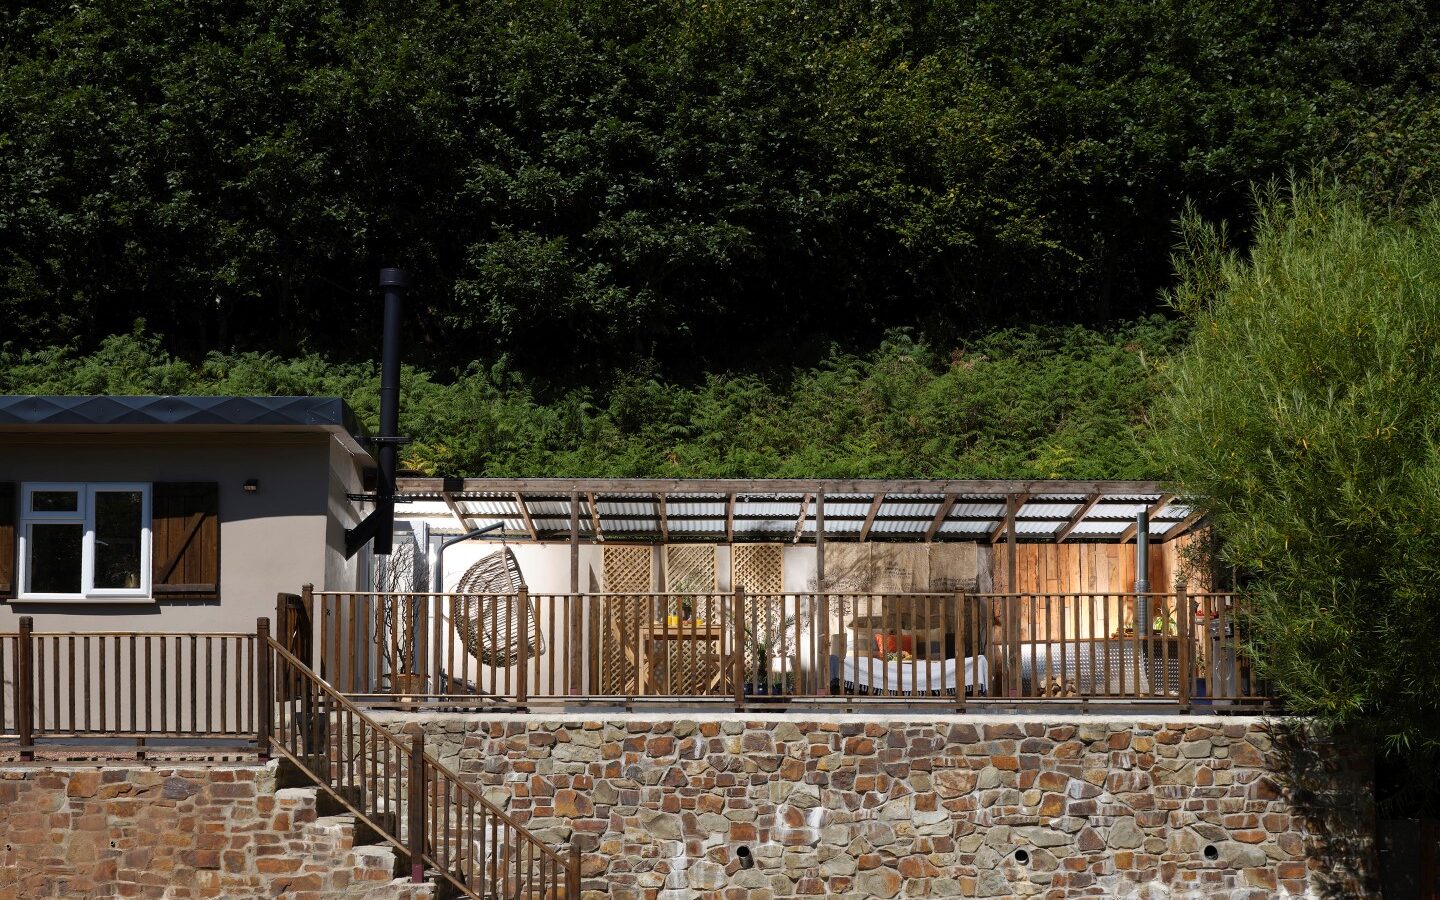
(1329, 780)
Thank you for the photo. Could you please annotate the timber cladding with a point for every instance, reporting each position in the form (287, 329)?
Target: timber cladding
(185, 535)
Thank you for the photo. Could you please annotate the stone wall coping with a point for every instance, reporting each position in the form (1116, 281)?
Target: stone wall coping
(65, 768)
(569, 717)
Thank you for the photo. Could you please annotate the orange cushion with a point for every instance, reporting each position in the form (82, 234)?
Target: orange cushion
(888, 643)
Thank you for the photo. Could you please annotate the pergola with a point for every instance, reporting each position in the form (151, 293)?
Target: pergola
(648, 510)
(805, 510)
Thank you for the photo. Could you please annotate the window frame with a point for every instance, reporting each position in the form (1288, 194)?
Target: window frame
(86, 492)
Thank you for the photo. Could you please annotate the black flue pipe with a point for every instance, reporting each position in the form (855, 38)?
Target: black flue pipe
(1142, 572)
(379, 526)
(393, 282)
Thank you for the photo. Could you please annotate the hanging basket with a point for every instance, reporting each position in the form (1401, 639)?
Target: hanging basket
(486, 612)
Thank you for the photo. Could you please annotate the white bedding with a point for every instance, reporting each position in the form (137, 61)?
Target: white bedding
(920, 676)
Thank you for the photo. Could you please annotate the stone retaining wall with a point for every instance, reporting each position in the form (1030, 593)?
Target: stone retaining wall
(193, 831)
(977, 806)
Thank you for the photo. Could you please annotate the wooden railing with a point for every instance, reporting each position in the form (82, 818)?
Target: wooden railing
(757, 650)
(197, 687)
(404, 795)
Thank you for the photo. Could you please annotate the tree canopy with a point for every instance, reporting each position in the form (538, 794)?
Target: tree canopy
(1043, 403)
(1305, 415)
(711, 186)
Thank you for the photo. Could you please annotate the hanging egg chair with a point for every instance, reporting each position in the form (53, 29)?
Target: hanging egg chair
(486, 612)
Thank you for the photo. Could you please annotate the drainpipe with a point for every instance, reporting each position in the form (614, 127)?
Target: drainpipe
(437, 582)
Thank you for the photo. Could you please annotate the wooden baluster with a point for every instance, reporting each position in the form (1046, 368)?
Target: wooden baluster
(737, 617)
(523, 675)
(264, 688)
(25, 687)
(415, 839)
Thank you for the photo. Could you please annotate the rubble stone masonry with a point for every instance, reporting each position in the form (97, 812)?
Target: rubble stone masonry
(971, 806)
(192, 831)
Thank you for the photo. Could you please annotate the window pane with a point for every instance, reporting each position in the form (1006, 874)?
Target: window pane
(55, 557)
(117, 539)
(54, 501)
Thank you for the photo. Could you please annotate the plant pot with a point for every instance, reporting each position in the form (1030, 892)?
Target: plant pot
(406, 686)
(1199, 696)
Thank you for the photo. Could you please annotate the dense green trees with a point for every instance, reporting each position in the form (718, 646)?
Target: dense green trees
(714, 186)
(1054, 402)
(1306, 415)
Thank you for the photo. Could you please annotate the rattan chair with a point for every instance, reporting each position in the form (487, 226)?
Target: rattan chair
(485, 611)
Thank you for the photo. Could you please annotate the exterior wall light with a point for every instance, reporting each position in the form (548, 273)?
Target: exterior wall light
(252, 485)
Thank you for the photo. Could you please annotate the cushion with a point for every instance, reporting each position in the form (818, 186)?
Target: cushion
(889, 643)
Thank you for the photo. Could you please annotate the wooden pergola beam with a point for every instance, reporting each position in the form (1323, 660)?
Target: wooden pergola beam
(525, 516)
(941, 515)
(804, 514)
(1184, 525)
(460, 517)
(730, 518)
(661, 517)
(1128, 534)
(869, 486)
(875, 505)
(594, 516)
(1076, 519)
(1013, 503)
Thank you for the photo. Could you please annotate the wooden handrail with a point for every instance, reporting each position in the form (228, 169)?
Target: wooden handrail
(425, 780)
(632, 646)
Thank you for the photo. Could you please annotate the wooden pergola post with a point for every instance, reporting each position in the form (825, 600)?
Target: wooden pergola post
(823, 620)
(1012, 604)
(575, 615)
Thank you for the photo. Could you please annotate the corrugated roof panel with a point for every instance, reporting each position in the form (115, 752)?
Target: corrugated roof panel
(1032, 527)
(1048, 510)
(1172, 512)
(900, 526)
(698, 526)
(695, 508)
(919, 510)
(841, 526)
(765, 525)
(844, 509)
(627, 508)
(488, 507)
(630, 525)
(547, 507)
(1099, 528)
(768, 509)
(978, 528)
(975, 510)
(1116, 510)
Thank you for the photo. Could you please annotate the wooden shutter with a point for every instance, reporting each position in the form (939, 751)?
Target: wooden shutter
(185, 534)
(9, 515)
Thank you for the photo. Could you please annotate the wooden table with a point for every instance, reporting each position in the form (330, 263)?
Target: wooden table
(657, 637)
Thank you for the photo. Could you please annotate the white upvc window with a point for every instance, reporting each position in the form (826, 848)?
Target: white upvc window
(84, 542)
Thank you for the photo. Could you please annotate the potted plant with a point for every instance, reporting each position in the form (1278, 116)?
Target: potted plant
(761, 648)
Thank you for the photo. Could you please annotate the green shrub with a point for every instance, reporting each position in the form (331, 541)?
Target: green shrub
(1305, 415)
